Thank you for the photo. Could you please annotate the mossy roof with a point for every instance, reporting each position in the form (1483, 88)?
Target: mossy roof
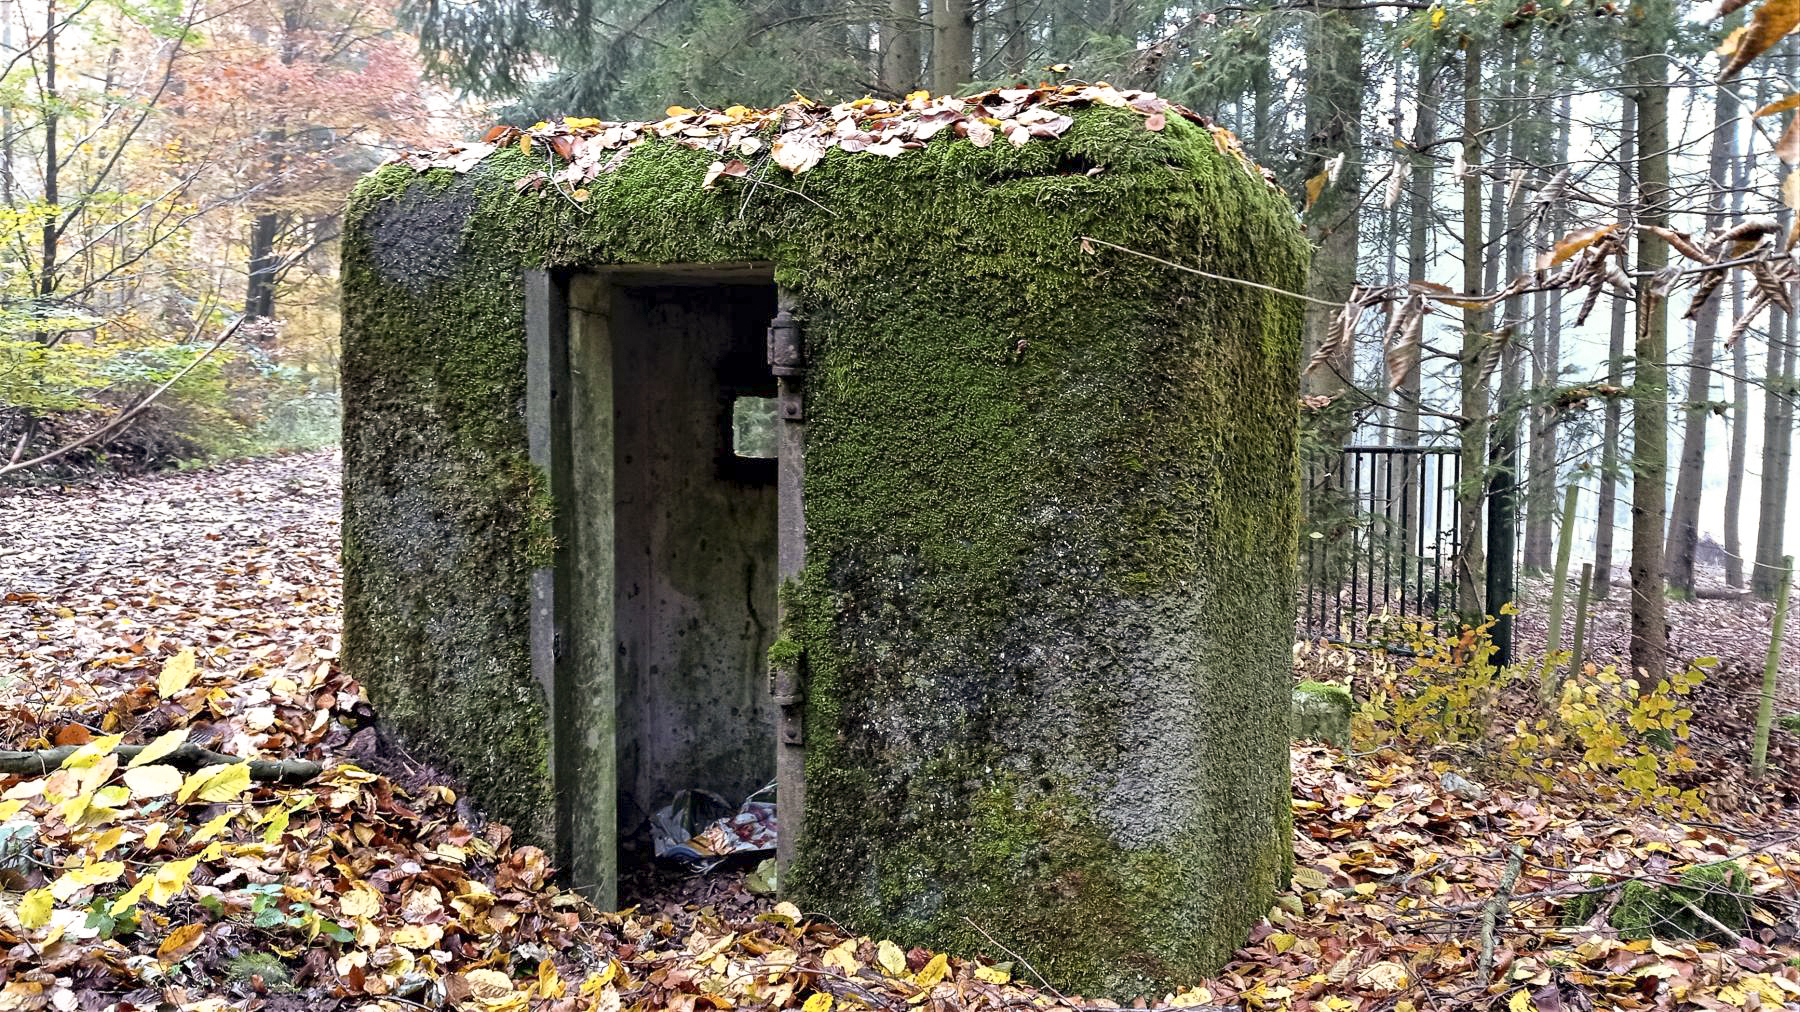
(777, 145)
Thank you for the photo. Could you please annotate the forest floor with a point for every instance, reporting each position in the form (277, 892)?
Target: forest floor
(374, 886)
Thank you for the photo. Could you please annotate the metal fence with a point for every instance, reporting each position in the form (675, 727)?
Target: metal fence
(1380, 540)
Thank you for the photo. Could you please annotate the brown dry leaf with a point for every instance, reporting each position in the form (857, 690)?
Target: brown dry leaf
(1771, 23)
(1576, 241)
(1780, 105)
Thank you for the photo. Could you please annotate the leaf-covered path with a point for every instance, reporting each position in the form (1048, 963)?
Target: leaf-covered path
(374, 887)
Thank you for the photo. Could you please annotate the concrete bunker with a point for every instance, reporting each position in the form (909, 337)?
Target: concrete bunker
(1031, 516)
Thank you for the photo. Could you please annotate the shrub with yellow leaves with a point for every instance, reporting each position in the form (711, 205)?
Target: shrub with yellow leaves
(1601, 732)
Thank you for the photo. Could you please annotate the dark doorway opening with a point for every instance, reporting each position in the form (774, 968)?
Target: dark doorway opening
(695, 526)
(653, 388)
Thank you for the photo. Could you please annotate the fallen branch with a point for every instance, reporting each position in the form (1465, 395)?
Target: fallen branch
(1490, 915)
(1736, 939)
(187, 757)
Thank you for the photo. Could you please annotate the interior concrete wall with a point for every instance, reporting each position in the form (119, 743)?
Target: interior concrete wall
(694, 543)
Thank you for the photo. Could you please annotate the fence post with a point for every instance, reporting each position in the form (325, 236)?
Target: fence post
(1502, 534)
(1765, 709)
(1559, 589)
(1581, 615)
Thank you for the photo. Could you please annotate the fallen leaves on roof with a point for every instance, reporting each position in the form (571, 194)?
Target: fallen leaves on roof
(796, 135)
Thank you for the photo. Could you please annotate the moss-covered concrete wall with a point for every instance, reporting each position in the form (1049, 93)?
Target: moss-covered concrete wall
(1051, 503)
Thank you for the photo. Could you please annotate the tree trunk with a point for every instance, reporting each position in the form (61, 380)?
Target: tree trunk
(1418, 228)
(1472, 429)
(952, 45)
(1334, 104)
(900, 57)
(1016, 47)
(259, 300)
(1740, 382)
(1684, 514)
(1771, 519)
(1546, 375)
(1650, 381)
(1606, 523)
(1508, 221)
(46, 279)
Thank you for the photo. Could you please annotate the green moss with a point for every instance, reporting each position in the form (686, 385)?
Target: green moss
(1321, 712)
(1789, 722)
(1642, 909)
(275, 975)
(1051, 504)
(785, 653)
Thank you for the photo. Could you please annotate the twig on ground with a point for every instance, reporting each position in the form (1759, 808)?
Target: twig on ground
(1490, 916)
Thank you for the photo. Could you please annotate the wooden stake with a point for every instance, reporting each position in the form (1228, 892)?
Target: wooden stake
(1765, 710)
(1581, 614)
(1559, 591)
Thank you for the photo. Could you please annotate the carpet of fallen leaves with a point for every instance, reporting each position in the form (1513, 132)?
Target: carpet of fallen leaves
(376, 887)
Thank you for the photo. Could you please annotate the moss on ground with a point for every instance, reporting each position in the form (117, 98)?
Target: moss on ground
(1321, 712)
(1051, 508)
(1719, 891)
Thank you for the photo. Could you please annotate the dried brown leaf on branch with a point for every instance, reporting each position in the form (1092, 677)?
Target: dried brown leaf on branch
(1573, 243)
(1771, 22)
(1401, 343)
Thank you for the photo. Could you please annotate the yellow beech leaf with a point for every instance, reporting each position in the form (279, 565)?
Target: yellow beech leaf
(129, 898)
(1520, 1000)
(220, 783)
(1315, 187)
(934, 971)
(891, 958)
(180, 943)
(162, 746)
(677, 110)
(176, 674)
(152, 781)
(843, 956)
(1308, 878)
(170, 880)
(77, 879)
(818, 1002)
(91, 753)
(360, 901)
(998, 974)
(417, 936)
(34, 909)
(1282, 942)
(213, 827)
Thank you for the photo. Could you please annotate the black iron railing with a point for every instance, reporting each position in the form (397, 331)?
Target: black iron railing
(1379, 542)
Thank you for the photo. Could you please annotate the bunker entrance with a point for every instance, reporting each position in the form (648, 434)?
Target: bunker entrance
(666, 575)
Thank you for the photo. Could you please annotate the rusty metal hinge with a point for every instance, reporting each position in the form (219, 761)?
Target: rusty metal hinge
(786, 691)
